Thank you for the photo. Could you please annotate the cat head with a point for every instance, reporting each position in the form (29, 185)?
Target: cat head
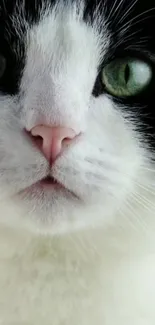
(76, 76)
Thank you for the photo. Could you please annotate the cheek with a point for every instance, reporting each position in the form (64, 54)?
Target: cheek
(109, 157)
(103, 164)
(106, 126)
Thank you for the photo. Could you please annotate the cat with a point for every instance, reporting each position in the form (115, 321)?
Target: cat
(77, 171)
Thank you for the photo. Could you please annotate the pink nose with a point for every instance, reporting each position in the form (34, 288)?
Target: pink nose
(51, 140)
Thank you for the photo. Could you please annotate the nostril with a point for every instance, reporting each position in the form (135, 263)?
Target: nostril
(67, 142)
(38, 141)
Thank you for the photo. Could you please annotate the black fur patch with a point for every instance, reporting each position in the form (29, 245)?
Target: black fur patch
(131, 25)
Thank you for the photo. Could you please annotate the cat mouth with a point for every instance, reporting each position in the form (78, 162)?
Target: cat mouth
(51, 183)
(48, 184)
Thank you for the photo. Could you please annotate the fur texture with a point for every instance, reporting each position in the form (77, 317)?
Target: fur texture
(84, 255)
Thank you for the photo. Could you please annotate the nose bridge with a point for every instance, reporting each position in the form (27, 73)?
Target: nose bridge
(53, 82)
(51, 103)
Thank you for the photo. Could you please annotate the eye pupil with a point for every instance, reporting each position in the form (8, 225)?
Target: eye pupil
(2, 65)
(127, 73)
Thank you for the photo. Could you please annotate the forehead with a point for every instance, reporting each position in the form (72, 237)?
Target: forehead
(122, 17)
(119, 15)
(129, 26)
(57, 29)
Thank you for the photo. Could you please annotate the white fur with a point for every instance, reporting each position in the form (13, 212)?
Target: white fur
(87, 260)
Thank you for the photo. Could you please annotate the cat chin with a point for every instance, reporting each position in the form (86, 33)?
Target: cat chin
(52, 213)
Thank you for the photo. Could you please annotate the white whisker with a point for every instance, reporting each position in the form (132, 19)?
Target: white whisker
(113, 9)
(146, 205)
(136, 222)
(128, 12)
(134, 20)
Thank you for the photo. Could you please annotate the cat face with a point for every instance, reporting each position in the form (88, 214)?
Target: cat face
(86, 66)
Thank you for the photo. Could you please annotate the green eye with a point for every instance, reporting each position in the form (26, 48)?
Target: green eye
(126, 77)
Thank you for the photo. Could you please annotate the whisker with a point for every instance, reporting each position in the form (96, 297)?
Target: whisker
(127, 217)
(149, 188)
(134, 20)
(145, 188)
(4, 6)
(128, 12)
(143, 202)
(129, 38)
(145, 199)
(135, 217)
(113, 9)
(148, 169)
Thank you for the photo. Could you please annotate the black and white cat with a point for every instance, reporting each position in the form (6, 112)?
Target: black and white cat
(77, 170)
